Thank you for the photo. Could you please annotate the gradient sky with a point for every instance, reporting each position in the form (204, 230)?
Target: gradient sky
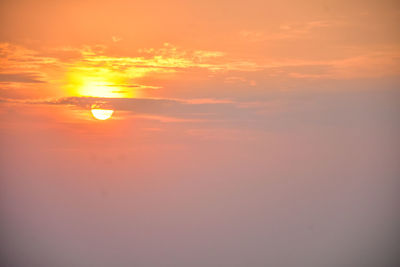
(245, 133)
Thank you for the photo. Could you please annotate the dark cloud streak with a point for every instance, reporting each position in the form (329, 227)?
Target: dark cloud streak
(28, 77)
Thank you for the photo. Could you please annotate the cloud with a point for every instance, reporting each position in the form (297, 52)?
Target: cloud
(287, 31)
(168, 58)
(136, 86)
(15, 58)
(21, 77)
(116, 39)
(173, 108)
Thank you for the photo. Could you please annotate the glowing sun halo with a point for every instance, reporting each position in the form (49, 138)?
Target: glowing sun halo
(102, 114)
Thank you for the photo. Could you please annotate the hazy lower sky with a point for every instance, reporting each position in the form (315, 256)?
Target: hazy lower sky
(242, 133)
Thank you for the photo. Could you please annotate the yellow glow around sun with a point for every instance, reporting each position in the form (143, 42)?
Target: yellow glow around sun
(102, 114)
(98, 82)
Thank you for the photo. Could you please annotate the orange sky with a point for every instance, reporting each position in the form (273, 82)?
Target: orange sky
(177, 45)
(240, 129)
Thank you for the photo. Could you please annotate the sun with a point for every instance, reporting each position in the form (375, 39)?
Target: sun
(102, 114)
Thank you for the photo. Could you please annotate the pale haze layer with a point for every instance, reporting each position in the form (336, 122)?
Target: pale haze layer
(243, 133)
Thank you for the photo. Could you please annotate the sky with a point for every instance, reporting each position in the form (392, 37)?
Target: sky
(243, 133)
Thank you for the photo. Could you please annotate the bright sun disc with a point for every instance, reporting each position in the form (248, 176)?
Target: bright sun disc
(102, 114)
